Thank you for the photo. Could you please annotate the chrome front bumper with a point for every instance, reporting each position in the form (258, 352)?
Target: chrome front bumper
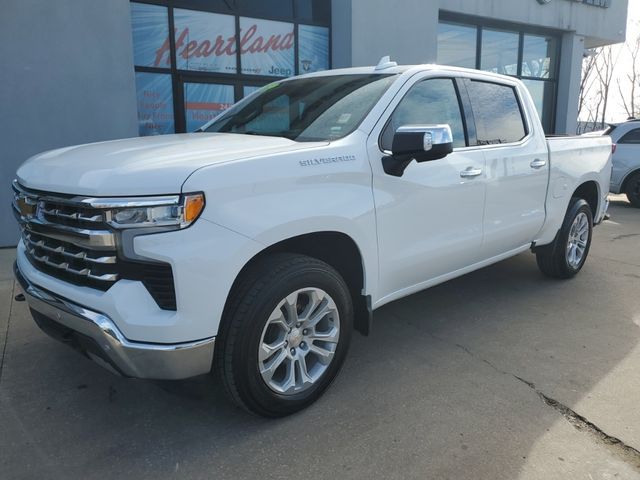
(96, 336)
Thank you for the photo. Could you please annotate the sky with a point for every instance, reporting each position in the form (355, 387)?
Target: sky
(616, 111)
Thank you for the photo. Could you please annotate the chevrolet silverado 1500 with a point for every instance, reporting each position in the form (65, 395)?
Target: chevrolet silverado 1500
(253, 247)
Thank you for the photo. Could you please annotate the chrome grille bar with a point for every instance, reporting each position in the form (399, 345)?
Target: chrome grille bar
(64, 266)
(55, 212)
(81, 237)
(61, 250)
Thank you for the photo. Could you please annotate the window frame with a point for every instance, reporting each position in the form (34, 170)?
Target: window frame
(461, 105)
(238, 79)
(526, 122)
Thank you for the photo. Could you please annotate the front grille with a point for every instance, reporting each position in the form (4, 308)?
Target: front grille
(72, 241)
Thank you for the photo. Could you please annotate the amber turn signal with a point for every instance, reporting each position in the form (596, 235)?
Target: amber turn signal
(193, 206)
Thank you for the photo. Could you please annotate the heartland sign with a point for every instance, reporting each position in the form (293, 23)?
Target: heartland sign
(207, 42)
(250, 42)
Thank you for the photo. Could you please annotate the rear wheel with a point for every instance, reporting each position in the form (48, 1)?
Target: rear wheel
(285, 334)
(632, 190)
(566, 256)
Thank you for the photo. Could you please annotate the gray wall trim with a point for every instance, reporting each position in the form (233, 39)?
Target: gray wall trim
(341, 28)
(571, 55)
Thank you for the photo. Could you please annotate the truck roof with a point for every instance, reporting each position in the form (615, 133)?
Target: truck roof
(395, 69)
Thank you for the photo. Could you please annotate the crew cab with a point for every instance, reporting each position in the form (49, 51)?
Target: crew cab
(255, 246)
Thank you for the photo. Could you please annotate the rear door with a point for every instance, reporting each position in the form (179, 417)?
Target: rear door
(517, 168)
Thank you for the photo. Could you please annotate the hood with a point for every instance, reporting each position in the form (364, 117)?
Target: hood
(142, 166)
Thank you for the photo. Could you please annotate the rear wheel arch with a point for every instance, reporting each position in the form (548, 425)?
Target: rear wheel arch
(590, 192)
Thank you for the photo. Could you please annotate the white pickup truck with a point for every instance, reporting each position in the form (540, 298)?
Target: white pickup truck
(254, 247)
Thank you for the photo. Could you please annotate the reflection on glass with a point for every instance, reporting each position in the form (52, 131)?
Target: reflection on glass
(205, 101)
(249, 89)
(313, 48)
(266, 47)
(306, 109)
(150, 30)
(496, 112)
(538, 56)
(155, 104)
(204, 41)
(457, 45)
(543, 96)
(500, 51)
(430, 102)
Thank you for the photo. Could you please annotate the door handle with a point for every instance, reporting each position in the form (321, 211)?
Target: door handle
(538, 163)
(471, 172)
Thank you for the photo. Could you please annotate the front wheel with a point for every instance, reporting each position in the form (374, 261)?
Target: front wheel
(285, 335)
(632, 190)
(566, 256)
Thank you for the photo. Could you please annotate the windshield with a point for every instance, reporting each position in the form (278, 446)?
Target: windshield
(306, 109)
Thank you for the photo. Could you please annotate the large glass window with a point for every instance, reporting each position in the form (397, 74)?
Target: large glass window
(205, 41)
(457, 45)
(155, 104)
(538, 56)
(543, 94)
(199, 56)
(205, 101)
(313, 48)
(499, 51)
(497, 113)
(150, 29)
(429, 102)
(530, 57)
(266, 47)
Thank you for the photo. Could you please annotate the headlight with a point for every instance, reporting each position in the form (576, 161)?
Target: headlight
(175, 211)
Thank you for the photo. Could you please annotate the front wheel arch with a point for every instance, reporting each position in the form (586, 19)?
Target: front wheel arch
(338, 250)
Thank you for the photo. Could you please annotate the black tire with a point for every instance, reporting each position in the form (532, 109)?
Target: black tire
(254, 298)
(632, 189)
(552, 259)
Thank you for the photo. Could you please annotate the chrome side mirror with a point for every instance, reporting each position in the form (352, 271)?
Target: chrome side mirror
(421, 143)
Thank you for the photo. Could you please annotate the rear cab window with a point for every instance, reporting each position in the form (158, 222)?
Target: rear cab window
(497, 112)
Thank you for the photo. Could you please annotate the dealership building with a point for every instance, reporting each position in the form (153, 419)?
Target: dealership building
(78, 71)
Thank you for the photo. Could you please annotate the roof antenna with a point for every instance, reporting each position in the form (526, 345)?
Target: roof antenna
(385, 62)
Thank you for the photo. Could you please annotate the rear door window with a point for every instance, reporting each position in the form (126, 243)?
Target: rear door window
(497, 113)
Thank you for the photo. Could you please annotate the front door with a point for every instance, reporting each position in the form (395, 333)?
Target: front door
(430, 218)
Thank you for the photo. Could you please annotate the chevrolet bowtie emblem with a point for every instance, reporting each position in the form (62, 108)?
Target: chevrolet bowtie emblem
(27, 208)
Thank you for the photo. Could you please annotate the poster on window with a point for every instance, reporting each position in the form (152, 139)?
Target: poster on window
(313, 48)
(150, 30)
(204, 102)
(266, 47)
(155, 104)
(204, 41)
